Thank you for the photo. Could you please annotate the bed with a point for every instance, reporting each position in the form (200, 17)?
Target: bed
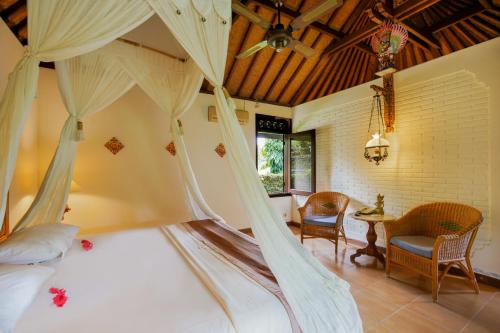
(141, 281)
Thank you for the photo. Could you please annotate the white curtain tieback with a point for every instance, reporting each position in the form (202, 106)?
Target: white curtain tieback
(79, 134)
(28, 54)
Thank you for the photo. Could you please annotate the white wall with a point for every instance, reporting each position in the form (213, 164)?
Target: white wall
(25, 179)
(445, 146)
(140, 185)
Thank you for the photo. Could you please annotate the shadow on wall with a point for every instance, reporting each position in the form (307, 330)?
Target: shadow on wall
(123, 215)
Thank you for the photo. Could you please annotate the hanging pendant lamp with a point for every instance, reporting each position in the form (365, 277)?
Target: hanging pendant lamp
(376, 149)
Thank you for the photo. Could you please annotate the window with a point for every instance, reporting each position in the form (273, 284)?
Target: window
(285, 162)
(270, 161)
(302, 163)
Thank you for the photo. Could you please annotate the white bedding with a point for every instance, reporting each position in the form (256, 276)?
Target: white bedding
(136, 281)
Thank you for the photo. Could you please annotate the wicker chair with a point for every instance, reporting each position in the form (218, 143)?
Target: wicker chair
(322, 217)
(434, 235)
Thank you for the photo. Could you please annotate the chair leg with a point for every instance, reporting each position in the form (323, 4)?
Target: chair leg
(301, 236)
(387, 262)
(336, 238)
(471, 275)
(435, 281)
(343, 234)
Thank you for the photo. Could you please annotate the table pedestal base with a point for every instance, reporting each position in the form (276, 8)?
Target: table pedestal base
(371, 248)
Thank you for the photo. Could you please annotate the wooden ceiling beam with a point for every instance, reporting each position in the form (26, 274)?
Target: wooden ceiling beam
(382, 12)
(293, 14)
(240, 49)
(323, 28)
(491, 6)
(8, 8)
(458, 17)
(352, 39)
(412, 7)
(320, 80)
(285, 65)
(402, 12)
(485, 26)
(297, 69)
(319, 65)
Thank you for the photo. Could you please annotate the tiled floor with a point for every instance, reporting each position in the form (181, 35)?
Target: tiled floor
(403, 302)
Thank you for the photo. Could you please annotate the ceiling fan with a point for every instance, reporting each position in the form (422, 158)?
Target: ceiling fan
(278, 37)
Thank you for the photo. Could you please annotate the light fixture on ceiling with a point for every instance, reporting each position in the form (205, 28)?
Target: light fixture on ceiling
(377, 145)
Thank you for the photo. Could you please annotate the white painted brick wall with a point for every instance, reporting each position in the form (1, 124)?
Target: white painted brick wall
(439, 151)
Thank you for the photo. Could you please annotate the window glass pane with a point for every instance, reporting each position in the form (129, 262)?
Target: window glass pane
(270, 161)
(301, 162)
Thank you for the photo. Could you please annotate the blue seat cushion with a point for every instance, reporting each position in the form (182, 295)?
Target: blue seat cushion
(321, 220)
(419, 245)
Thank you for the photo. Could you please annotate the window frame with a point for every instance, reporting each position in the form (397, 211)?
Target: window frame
(287, 137)
(312, 134)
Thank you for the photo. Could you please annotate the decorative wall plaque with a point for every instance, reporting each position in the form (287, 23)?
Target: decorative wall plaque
(171, 148)
(114, 145)
(220, 150)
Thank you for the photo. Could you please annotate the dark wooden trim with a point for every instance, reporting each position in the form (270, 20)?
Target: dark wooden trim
(48, 65)
(279, 195)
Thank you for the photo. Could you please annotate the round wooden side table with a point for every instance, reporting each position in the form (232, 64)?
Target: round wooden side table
(371, 235)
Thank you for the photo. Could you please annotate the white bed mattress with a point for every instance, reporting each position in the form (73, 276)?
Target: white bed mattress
(136, 281)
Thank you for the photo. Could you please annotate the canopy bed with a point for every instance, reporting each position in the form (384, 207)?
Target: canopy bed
(94, 69)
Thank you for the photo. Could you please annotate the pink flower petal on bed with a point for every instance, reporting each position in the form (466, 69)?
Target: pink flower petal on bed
(86, 245)
(57, 291)
(59, 300)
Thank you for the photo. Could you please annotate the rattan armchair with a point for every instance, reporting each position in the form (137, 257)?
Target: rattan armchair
(322, 217)
(452, 227)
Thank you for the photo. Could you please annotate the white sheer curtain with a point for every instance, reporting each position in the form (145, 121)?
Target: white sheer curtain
(88, 84)
(57, 30)
(173, 85)
(321, 301)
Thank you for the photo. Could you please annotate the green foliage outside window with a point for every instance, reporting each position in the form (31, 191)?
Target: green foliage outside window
(273, 154)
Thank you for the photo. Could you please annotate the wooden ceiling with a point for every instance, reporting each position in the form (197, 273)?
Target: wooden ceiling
(341, 39)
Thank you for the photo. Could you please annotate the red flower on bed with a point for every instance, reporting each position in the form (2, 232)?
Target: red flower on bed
(59, 298)
(86, 245)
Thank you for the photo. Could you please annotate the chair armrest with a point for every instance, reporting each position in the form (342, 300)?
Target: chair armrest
(301, 212)
(453, 246)
(400, 227)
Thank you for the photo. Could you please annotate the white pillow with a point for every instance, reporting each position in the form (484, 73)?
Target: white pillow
(19, 284)
(38, 243)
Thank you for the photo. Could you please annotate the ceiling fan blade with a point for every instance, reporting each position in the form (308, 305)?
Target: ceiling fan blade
(302, 48)
(250, 15)
(254, 49)
(311, 15)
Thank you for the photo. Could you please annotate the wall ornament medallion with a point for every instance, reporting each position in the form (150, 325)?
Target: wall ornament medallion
(114, 145)
(220, 150)
(171, 148)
